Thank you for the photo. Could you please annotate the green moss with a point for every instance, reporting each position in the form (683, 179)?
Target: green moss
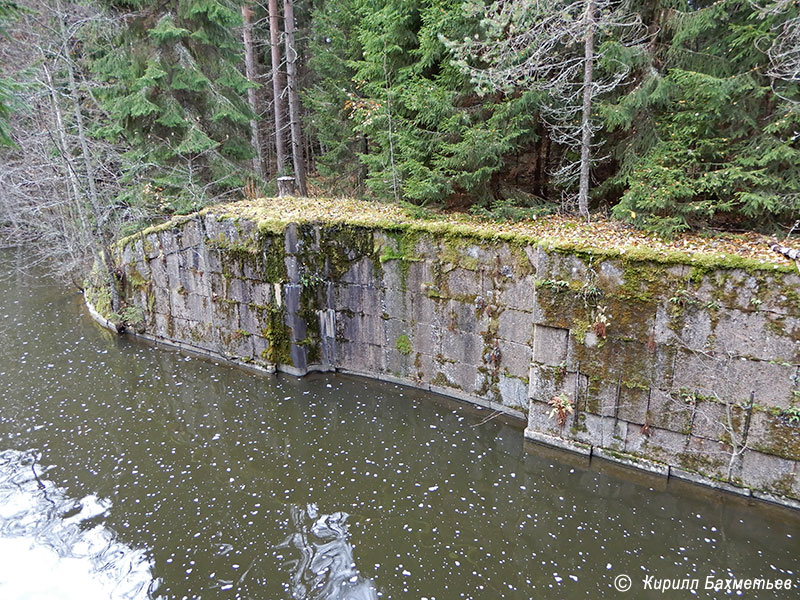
(403, 345)
(276, 333)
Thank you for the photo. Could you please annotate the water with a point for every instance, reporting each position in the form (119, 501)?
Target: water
(128, 471)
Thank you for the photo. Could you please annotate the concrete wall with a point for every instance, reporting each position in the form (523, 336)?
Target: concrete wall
(678, 369)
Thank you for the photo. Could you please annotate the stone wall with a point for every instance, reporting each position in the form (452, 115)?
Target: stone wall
(680, 369)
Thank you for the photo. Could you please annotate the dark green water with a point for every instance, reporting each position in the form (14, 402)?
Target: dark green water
(128, 471)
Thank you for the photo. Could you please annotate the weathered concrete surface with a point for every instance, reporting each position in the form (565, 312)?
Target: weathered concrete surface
(671, 367)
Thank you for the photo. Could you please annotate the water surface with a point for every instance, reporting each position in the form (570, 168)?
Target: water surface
(129, 471)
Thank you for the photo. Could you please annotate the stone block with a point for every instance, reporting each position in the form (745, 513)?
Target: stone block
(668, 412)
(732, 379)
(225, 316)
(261, 293)
(418, 276)
(161, 303)
(426, 310)
(614, 433)
(770, 434)
(427, 338)
(250, 319)
(367, 329)
(585, 428)
(393, 277)
(152, 246)
(348, 298)
(394, 329)
(758, 335)
(179, 304)
(463, 283)
(192, 234)
(459, 376)
(515, 358)
(395, 302)
(212, 258)
(173, 270)
(545, 382)
(633, 404)
(198, 307)
(290, 239)
(771, 473)
(513, 392)
(361, 272)
(360, 357)
(463, 347)
(541, 421)
(656, 444)
(515, 326)
(371, 301)
(460, 316)
(162, 326)
(168, 242)
(549, 345)
(519, 294)
(237, 290)
(601, 398)
(714, 421)
(260, 348)
(709, 457)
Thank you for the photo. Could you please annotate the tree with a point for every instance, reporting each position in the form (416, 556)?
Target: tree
(57, 181)
(277, 87)
(711, 135)
(175, 93)
(294, 98)
(251, 70)
(571, 51)
(8, 10)
(783, 16)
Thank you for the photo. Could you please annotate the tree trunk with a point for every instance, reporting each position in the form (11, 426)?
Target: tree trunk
(274, 35)
(251, 70)
(586, 126)
(294, 98)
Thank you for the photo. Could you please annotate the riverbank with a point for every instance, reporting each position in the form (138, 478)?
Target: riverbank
(683, 364)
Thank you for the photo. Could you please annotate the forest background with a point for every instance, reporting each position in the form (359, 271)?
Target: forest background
(671, 115)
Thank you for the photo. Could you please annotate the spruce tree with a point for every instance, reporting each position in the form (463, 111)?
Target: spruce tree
(8, 11)
(175, 92)
(710, 137)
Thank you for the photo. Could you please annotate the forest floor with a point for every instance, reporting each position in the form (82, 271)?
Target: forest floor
(600, 236)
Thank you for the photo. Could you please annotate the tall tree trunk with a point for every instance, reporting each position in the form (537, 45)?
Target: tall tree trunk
(294, 99)
(251, 70)
(586, 126)
(274, 40)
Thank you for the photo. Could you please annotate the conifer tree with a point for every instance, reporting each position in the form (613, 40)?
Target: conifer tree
(711, 137)
(175, 92)
(8, 10)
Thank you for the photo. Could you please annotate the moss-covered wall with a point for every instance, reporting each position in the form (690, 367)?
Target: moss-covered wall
(689, 368)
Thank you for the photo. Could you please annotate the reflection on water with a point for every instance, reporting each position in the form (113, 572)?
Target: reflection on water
(204, 466)
(326, 569)
(49, 548)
